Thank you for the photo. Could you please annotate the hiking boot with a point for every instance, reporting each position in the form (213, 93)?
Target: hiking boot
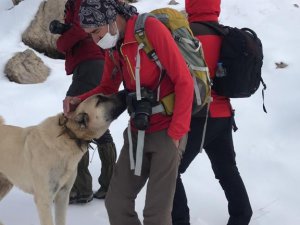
(76, 198)
(100, 194)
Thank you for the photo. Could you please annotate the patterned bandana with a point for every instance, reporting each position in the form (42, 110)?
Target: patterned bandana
(95, 13)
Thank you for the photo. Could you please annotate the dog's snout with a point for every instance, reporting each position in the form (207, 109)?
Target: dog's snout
(120, 105)
(121, 95)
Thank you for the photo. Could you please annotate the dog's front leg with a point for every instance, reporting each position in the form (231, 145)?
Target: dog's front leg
(43, 204)
(61, 201)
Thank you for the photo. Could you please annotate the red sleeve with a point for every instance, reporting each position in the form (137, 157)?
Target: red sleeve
(173, 62)
(70, 38)
(110, 82)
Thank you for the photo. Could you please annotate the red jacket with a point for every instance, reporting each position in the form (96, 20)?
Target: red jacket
(178, 78)
(75, 43)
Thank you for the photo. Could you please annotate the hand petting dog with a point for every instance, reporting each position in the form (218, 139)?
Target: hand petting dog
(70, 104)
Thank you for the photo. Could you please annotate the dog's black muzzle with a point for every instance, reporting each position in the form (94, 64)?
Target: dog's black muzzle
(120, 104)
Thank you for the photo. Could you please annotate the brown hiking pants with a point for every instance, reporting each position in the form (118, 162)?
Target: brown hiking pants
(160, 164)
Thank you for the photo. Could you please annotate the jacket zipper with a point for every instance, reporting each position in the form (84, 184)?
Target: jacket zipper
(127, 60)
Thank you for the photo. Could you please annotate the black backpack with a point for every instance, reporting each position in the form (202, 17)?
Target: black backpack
(238, 73)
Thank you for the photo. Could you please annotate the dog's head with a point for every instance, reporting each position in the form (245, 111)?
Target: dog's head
(93, 116)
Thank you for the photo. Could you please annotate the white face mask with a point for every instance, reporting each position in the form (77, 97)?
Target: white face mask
(109, 40)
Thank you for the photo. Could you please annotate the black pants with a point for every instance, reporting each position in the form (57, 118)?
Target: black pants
(219, 147)
(86, 76)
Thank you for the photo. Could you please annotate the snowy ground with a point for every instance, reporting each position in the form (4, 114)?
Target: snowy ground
(267, 145)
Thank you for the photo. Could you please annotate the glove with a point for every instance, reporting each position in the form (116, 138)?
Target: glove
(70, 104)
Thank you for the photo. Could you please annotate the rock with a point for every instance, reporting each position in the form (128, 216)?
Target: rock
(16, 2)
(26, 68)
(281, 65)
(37, 35)
(173, 2)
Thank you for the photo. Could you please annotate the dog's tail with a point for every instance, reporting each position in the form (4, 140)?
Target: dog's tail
(1, 123)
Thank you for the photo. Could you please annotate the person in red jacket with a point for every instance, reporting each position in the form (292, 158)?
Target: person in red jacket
(111, 25)
(218, 143)
(85, 60)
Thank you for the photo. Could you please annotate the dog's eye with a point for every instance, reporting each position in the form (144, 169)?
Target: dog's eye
(101, 98)
(82, 119)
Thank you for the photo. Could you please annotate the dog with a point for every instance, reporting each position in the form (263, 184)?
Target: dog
(42, 160)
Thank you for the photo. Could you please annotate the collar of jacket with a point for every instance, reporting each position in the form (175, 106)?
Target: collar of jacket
(129, 31)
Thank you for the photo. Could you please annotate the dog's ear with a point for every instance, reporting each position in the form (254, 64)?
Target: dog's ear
(101, 98)
(82, 119)
(62, 120)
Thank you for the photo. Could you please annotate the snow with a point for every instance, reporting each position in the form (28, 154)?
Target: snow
(267, 145)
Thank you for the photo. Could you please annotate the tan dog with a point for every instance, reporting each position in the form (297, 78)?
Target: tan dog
(42, 160)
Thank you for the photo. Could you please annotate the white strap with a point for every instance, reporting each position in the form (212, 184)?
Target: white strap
(141, 134)
(160, 77)
(137, 167)
(159, 65)
(188, 41)
(197, 91)
(205, 126)
(199, 68)
(139, 152)
(132, 164)
(137, 73)
(158, 93)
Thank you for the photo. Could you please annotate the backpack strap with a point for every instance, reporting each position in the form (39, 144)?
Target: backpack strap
(140, 35)
(263, 93)
(144, 44)
(218, 28)
(136, 164)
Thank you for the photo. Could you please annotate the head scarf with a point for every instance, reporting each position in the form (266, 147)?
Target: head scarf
(95, 13)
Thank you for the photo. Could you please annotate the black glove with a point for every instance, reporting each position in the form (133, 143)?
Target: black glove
(57, 27)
